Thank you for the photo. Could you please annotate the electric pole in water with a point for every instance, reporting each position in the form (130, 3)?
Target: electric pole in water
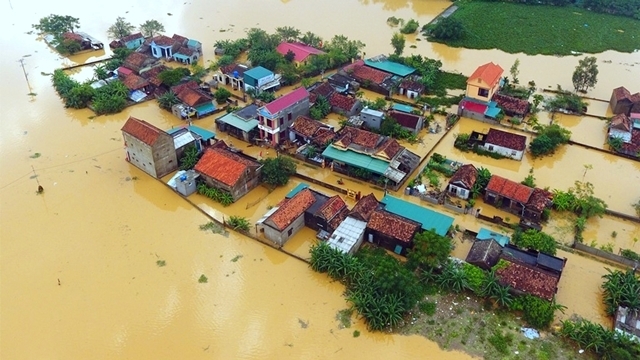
(26, 77)
(40, 188)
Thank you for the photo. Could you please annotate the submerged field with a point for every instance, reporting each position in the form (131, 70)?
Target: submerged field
(547, 30)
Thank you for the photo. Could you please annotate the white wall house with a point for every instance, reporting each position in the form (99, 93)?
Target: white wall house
(505, 143)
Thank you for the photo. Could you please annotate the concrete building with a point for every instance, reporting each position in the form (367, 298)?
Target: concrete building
(276, 117)
(149, 148)
(484, 82)
(288, 218)
(371, 118)
(505, 143)
(462, 181)
(260, 79)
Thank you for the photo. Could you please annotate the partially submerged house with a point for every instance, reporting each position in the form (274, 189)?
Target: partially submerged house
(391, 231)
(502, 142)
(232, 74)
(371, 118)
(320, 89)
(138, 87)
(195, 102)
(259, 79)
(409, 121)
(131, 42)
(301, 52)
(344, 105)
(627, 322)
(177, 48)
(382, 63)
(370, 78)
(623, 102)
(228, 171)
(275, 117)
(138, 62)
(149, 148)
(411, 88)
(484, 254)
(343, 83)
(241, 124)
(484, 82)
(429, 220)
(462, 181)
(516, 198)
(202, 138)
(84, 40)
(287, 219)
(512, 106)
(151, 75)
(305, 130)
(627, 129)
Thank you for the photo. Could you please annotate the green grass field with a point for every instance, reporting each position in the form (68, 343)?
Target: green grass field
(548, 30)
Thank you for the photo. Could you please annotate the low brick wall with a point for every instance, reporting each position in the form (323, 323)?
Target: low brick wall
(452, 207)
(605, 255)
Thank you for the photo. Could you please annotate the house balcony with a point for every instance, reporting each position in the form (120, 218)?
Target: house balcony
(268, 129)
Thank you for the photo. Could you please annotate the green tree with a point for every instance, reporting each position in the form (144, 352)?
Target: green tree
(190, 158)
(536, 240)
(67, 47)
(121, 53)
(221, 95)
(615, 143)
(398, 42)
(167, 100)
(410, 27)
(515, 71)
(320, 109)
(342, 50)
(430, 250)
(288, 33)
(171, 77)
(79, 96)
(290, 56)
(311, 39)
(276, 171)
(585, 75)
(448, 28)
(120, 29)
(101, 72)
(150, 28)
(56, 25)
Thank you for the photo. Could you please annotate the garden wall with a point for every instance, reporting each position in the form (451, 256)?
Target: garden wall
(605, 255)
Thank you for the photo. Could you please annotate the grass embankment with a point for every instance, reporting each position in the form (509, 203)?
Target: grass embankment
(548, 30)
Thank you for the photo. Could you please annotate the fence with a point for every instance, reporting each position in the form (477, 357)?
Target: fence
(606, 255)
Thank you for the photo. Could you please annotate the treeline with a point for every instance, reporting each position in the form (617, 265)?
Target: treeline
(630, 8)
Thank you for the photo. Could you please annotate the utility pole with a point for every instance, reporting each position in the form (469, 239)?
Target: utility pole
(40, 188)
(26, 77)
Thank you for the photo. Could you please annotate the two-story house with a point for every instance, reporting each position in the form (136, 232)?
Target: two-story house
(275, 117)
(149, 148)
(484, 82)
(259, 79)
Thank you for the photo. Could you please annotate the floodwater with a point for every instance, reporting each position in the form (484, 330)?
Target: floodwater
(78, 264)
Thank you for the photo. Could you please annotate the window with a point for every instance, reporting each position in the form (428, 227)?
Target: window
(289, 116)
(483, 92)
(513, 153)
(290, 232)
(281, 121)
(269, 123)
(490, 147)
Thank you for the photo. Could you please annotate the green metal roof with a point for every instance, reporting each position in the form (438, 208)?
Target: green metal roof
(258, 72)
(355, 159)
(402, 107)
(391, 67)
(430, 220)
(239, 123)
(181, 56)
(203, 133)
(485, 234)
(296, 190)
(193, 43)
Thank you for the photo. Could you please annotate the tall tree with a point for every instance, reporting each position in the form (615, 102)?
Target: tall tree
(276, 171)
(398, 42)
(311, 39)
(515, 71)
(448, 28)
(56, 25)
(151, 27)
(586, 74)
(430, 250)
(288, 33)
(120, 28)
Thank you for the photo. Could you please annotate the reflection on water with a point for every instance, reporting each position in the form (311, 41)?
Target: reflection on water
(100, 232)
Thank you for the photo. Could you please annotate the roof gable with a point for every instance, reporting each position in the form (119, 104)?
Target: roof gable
(223, 166)
(509, 189)
(301, 51)
(490, 73)
(506, 139)
(142, 130)
(192, 97)
(621, 93)
(306, 126)
(132, 37)
(291, 209)
(392, 225)
(529, 279)
(620, 122)
(134, 82)
(162, 40)
(331, 208)
(389, 149)
(287, 100)
(466, 175)
(342, 102)
(405, 119)
(364, 207)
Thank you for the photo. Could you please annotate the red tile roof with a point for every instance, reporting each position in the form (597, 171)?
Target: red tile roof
(136, 59)
(361, 73)
(635, 98)
(490, 73)
(338, 218)
(72, 36)
(124, 71)
(405, 119)
(179, 39)
(364, 207)
(350, 134)
(393, 225)
(287, 100)
(291, 209)
(331, 208)
(466, 175)
(509, 189)
(142, 130)
(323, 135)
(620, 122)
(134, 82)
(301, 51)
(529, 280)
(506, 139)
(152, 74)
(389, 149)
(190, 85)
(193, 97)
(620, 93)
(539, 199)
(633, 147)
(162, 40)
(324, 89)
(222, 165)
(342, 102)
(306, 126)
(132, 37)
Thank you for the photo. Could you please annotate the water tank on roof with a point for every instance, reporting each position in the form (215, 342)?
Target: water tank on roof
(183, 177)
(236, 74)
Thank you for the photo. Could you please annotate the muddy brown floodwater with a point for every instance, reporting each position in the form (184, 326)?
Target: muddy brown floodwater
(79, 264)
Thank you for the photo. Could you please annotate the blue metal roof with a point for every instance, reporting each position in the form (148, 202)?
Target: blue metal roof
(391, 67)
(485, 234)
(205, 108)
(402, 107)
(430, 220)
(296, 190)
(258, 72)
(356, 159)
(203, 133)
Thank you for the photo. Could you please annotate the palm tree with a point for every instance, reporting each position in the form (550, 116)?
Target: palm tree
(167, 100)
(502, 296)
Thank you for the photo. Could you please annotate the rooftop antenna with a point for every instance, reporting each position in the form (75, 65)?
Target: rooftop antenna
(40, 188)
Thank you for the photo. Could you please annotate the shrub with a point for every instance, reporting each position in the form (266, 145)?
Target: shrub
(427, 307)
(448, 28)
(276, 171)
(410, 27)
(239, 223)
(214, 194)
(536, 240)
(537, 312)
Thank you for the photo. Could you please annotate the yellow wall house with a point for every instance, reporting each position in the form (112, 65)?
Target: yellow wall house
(484, 82)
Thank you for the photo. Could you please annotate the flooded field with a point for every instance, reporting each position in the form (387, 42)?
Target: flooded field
(106, 262)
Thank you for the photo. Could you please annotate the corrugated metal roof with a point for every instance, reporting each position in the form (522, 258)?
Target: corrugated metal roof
(238, 122)
(485, 234)
(391, 67)
(258, 72)
(203, 133)
(296, 190)
(345, 237)
(183, 139)
(402, 107)
(429, 219)
(353, 158)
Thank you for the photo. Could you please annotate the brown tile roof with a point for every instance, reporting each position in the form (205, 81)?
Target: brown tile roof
(185, 51)
(405, 119)
(223, 166)
(506, 139)
(361, 73)
(364, 207)
(323, 135)
(291, 209)
(193, 97)
(389, 149)
(229, 69)
(136, 59)
(131, 37)
(179, 38)
(338, 218)
(490, 73)
(324, 89)
(331, 208)
(306, 126)
(511, 105)
(635, 98)
(509, 189)
(142, 130)
(162, 40)
(190, 84)
(342, 102)
(152, 74)
(484, 253)
(134, 82)
(633, 147)
(529, 280)
(72, 36)
(539, 199)
(466, 175)
(620, 93)
(393, 225)
(350, 134)
(412, 85)
(620, 122)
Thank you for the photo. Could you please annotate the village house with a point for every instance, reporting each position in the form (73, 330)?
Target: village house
(512, 106)
(411, 122)
(372, 119)
(411, 88)
(228, 171)
(484, 254)
(620, 127)
(627, 129)
(502, 142)
(484, 82)
(149, 148)
(305, 130)
(86, 41)
(259, 79)
(241, 124)
(151, 75)
(382, 63)
(627, 322)
(275, 117)
(194, 101)
(343, 84)
(286, 219)
(430, 220)
(391, 232)
(138, 62)
(320, 88)
(370, 78)
(131, 42)
(344, 105)
(518, 199)
(177, 48)
(138, 87)
(349, 235)
(623, 102)
(302, 53)
(462, 181)
(328, 215)
(233, 75)
(184, 136)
